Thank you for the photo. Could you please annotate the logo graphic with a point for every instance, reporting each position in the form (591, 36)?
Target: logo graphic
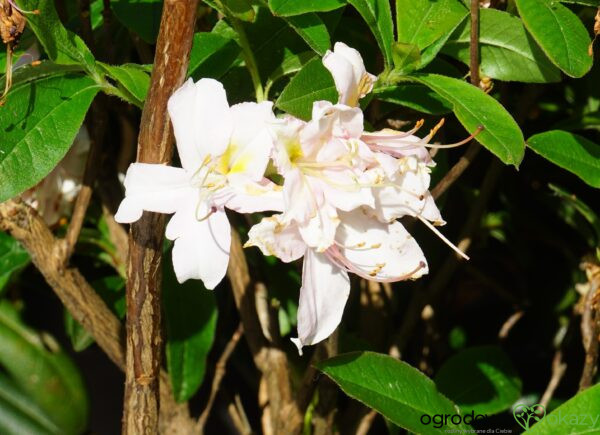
(526, 415)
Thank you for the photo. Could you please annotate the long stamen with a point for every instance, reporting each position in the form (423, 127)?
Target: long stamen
(462, 142)
(433, 131)
(394, 136)
(444, 239)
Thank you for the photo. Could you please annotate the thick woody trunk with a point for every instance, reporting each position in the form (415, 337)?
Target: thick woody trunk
(155, 145)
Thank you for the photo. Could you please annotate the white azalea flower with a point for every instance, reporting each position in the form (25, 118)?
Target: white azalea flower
(352, 80)
(224, 152)
(361, 245)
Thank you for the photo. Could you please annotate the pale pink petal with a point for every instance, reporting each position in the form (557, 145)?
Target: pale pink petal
(381, 251)
(150, 187)
(273, 236)
(323, 296)
(319, 231)
(342, 71)
(201, 249)
(201, 121)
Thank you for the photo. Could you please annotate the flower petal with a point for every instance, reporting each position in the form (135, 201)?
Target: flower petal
(201, 249)
(323, 296)
(274, 237)
(201, 121)
(319, 231)
(252, 197)
(251, 143)
(385, 252)
(150, 187)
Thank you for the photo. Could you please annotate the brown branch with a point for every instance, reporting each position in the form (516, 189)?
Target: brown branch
(590, 323)
(82, 301)
(558, 371)
(219, 374)
(78, 297)
(271, 361)
(155, 145)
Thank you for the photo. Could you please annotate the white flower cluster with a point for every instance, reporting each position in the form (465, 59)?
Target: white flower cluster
(342, 192)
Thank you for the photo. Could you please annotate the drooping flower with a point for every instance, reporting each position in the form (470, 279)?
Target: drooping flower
(352, 80)
(224, 152)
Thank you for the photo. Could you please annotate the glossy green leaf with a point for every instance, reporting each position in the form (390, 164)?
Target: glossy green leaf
(19, 414)
(41, 369)
(312, 29)
(508, 52)
(424, 22)
(378, 16)
(401, 393)
(37, 114)
(286, 8)
(13, 258)
(134, 78)
(406, 57)
(61, 45)
(415, 96)
(139, 16)
(593, 3)
(474, 108)
(312, 83)
(291, 64)
(191, 320)
(480, 379)
(579, 416)
(212, 55)
(559, 32)
(572, 152)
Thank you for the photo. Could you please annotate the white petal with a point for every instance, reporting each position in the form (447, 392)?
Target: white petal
(252, 197)
(251, 142)
(156, 188)
(381, 251)
(323, 296)
(201, 121)
(275, 237)
(319, 231)
(346, 82)
(201, 249)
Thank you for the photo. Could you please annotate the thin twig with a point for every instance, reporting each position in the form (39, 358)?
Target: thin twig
(155, 145)
(509, 323)
(464, 162)
(558, 371)
(366, 422)
(219, 374)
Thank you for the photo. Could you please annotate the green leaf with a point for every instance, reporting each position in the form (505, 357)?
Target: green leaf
(312, 83)
(423, 22)
(286, 8)
(134, 78)
(38, 124)
(19, 414)
(572, 152)
(61, 45)
(507, 51)
(559, 33)
(415, 96)
(312, 29)
(401, 393)
(191, 320)
(291, 64)
(480, 379)
(584, 408)
(474, 108)
(583, 209)
(13, 258)
(42, 370)
(212, 55)
(139, 16)
(378, 16)
(406, 57)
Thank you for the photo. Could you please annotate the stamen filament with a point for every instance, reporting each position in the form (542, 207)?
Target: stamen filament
(444, 239)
